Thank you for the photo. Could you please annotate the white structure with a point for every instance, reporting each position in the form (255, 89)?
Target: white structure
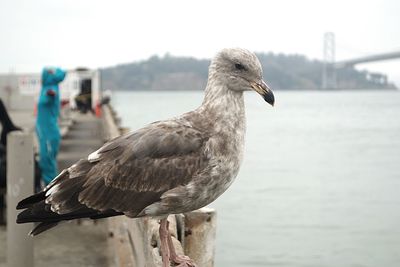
(21, 91)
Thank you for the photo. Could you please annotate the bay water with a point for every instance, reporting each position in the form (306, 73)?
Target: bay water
(320, 181)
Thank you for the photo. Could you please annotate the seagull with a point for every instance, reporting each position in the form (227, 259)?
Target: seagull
(167, 167)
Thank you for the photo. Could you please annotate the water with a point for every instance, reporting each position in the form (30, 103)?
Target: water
(320, 183)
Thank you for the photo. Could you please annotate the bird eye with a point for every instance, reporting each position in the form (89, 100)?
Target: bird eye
(239, 66)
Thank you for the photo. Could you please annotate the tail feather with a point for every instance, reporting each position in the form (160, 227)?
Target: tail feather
(42, 212)
(41, 227)
(59, 201)
(38, 197)
(29, 201)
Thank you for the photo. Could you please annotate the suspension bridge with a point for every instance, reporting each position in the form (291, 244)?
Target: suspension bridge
(330, 66)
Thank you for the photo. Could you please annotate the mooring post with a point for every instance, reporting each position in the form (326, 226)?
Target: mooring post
(199, 240)
(20, 173)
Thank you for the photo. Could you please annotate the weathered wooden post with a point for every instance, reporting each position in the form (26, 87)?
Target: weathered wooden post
(20, 173)
(199, 240)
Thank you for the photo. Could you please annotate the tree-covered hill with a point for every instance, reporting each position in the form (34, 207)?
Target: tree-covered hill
(281, 71)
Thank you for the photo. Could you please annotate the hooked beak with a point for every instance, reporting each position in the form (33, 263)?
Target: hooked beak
(263, 89)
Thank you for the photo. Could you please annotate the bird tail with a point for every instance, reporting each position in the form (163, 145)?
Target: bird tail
(41, 227)
(36, 209)
(29, 201)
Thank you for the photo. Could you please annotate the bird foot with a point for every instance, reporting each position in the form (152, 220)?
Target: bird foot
(182, 261)
(168, 253)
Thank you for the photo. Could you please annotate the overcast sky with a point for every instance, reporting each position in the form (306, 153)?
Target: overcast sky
(94, 33)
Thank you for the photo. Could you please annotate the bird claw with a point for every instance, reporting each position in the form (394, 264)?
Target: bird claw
(185, 264)
(183, 261)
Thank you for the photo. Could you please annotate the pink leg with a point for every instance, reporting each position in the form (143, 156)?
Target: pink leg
(181, 260)
(164, 233)
(168, 250)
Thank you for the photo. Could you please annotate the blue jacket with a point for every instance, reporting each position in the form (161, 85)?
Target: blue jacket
(48, 108)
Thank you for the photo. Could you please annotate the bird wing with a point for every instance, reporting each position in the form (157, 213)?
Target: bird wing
(132, 171)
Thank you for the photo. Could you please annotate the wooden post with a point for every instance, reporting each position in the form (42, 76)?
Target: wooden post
(20, 173)
(199, 240)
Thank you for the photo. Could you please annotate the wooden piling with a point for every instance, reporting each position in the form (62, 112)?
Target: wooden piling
(199, 239)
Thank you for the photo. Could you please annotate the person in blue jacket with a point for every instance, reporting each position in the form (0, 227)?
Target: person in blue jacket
(48, 132)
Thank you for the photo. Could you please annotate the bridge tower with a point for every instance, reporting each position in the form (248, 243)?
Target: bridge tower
(329, 80)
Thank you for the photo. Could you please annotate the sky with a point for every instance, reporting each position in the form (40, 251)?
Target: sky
(96, 33)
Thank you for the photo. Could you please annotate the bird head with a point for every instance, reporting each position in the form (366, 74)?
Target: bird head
(242, 71)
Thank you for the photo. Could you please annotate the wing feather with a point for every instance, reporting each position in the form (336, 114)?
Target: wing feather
(128, 174)
(134, 170)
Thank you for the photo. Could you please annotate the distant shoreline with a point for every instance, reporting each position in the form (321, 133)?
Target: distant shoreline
(283, 72)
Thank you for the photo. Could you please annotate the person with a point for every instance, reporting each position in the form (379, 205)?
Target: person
(84, 99)
(48, 132)
(6, 123)
(8, 126)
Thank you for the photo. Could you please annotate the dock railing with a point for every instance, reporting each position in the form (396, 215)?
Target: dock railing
(135, 242)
